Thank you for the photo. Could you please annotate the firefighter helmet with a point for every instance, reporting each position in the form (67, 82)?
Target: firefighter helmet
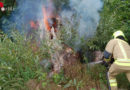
(118, 33)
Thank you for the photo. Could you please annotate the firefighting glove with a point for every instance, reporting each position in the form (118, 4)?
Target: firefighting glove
(105, 63)
(107, 60)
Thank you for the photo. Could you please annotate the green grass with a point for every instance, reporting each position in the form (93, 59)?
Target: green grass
(18, 62)
(20, 68)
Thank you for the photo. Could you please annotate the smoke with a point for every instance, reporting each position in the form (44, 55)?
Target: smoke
(82, 15)
(89, 13)
(26, 11)
(86, 16)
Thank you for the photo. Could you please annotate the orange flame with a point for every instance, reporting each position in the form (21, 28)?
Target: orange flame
(49, 16)
(45, 19)
(33, 24)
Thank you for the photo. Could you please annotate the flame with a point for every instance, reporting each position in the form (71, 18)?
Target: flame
(33, 24)
(49, 19)
(45, 19)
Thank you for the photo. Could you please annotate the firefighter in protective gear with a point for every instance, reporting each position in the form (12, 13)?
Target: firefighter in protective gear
(119, 49)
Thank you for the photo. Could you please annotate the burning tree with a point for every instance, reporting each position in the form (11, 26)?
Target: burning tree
(40, 20)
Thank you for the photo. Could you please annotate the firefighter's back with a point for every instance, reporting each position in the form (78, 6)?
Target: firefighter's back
(121, 49)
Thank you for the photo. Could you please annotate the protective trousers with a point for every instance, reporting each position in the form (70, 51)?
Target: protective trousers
(116, 68)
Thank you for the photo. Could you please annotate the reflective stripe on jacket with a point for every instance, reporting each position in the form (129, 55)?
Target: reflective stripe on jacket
(120, 51)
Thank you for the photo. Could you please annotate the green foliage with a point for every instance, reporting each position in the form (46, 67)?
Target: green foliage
(121, 78)
(8, 2)
(114, 16)
(93, 89)
(43, 77)
(69, 36)
(74, 83)
(18, 63)
(58, 78)
(98, 72)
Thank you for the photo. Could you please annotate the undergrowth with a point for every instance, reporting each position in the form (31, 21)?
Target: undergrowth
(19, 63)
(20, 68)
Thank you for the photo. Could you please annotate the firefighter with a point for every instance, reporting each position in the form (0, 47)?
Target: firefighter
(119, 50)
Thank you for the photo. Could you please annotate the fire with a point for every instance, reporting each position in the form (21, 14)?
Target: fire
(33, 24)
(49, 19)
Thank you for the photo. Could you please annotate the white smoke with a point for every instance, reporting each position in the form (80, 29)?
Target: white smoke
(87, 17)
(82, 15)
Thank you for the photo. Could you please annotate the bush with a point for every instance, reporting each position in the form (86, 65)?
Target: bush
(18, 62)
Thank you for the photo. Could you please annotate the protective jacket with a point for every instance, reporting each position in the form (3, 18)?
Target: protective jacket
(120, 51)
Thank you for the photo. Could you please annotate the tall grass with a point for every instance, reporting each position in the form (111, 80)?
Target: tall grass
(20, 68)
(18, 62)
